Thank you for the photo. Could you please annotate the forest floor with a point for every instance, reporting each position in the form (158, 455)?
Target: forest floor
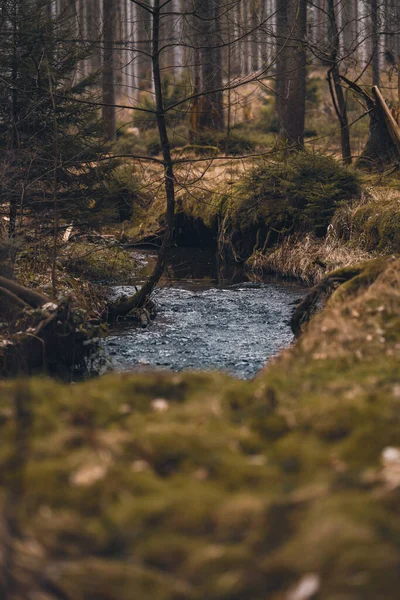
(180, 486)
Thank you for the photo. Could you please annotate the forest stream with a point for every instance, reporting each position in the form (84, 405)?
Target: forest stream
(206, 319)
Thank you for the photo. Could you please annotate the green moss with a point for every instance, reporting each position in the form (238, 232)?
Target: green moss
(376, 224)
(98, 262)
(274, 199)
(236, 490)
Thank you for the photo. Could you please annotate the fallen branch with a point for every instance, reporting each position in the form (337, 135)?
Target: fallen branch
(15, 300)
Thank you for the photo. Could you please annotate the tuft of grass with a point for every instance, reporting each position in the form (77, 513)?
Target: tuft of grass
(307, 258)
(374, 223)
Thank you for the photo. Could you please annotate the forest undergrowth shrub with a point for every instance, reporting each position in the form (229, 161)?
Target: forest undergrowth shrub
(125, 196)
(172, 92)
(84, 270)
(210, 142)
(307, 188)
(148, 141)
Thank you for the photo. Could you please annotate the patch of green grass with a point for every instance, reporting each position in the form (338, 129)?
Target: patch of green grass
(99, 262)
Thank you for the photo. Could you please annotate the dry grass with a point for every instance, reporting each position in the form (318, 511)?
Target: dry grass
(308, 259)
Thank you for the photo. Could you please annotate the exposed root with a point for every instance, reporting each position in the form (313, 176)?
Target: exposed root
(358, 275)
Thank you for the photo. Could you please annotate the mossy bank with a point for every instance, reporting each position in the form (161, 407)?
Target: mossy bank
(298, 216)
(170, 486)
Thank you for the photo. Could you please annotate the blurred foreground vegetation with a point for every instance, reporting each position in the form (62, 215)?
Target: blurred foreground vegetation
(171, 486)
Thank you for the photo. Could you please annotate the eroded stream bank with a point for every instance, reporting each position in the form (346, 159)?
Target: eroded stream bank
(207, 319)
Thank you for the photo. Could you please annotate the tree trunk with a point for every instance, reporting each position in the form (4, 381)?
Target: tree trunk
(338, 98)
(14, 100)
(291, 89)
(109, 115)
(210, 70)
(349, 31)
(375, 43)
(381, 149)
(140, 299)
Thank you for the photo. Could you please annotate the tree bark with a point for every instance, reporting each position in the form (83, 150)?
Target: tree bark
(291, 88)
(109, 116)
(14, 101)
(139, 300)
(210, 70)
(375, 43)
(349, 31)
(335, 86)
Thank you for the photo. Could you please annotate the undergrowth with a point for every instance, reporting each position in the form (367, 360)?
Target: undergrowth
(307, 258)
(99, 262)
(374, 223)
(83, 270)
(275, 199)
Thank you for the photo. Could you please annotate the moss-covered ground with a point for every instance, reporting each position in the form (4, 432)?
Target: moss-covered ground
(180, 486)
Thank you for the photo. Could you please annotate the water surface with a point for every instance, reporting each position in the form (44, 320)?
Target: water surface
(208, 323)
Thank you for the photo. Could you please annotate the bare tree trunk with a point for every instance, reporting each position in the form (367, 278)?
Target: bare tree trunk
(338, 98)
(133, 55)
(349, 31)
(109, 115)
(375, 43)
(255, 35)
(207, 24)
(14, 101)
(292, 23)
(141, 297)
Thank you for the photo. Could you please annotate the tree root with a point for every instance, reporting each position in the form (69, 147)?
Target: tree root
(13, 298)
(325, 288)
(30, 297)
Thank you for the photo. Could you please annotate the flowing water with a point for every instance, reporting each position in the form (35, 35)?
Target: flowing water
(206, 321)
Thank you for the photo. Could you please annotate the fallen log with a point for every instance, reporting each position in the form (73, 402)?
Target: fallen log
(34, 299)
(13, 298)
